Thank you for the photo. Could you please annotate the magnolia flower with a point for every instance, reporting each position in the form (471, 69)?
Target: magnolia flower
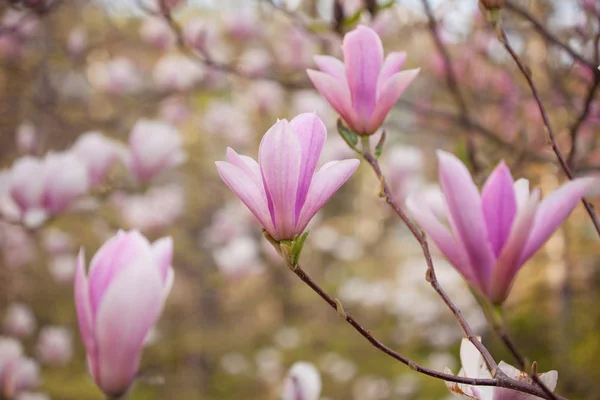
(54, 346)
(153, 147)
(177, 72)
(97, 153)
(282, 190)
(77, 41)
(494, 233)
(364, 87)
(473, 366)
(157, 32)
(27, 138)
(19, 320)
(118, 302)
(117, 76)
(48, 186)
(303, 382)
(17, 372)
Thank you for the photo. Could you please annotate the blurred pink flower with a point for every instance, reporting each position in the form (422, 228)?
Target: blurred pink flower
(404, 166)
(22, 374)
(264, 98)
(154, 211)
(282, 190)
(54, 346)
(62, 268)
(32, 396)
(117, 76)
(494, 233)
(156, 32)
(303, 382)
(55, 241)
(364, 87)
(154, 146)
(47, 187)
(19, 320)
(294, 50)
(241, 23)
(177, 72)
(118, 301)
(97, 153)
(27, 138)
(174, 110)
(238, 258)
(77, 41)
(16, 245)
(473, 366)
(224, 119)
(255, 62)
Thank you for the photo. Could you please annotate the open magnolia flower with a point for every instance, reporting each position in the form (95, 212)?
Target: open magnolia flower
(303, 382)
(365, 87)
(494, 233)
(473, 366)
(282, 190)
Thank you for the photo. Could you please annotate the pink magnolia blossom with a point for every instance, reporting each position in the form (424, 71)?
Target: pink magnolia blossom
(282, 190)
(54, 346)
(473, 366)
(494, 233)
(17, 373)
(49, 186)
(27, 138)
(177, 72)
(303, 382)
(117, 76)
(77, 41)
(98, 153)
(364, 87)
(154, 146)
(19, 320)
(157, 32)
(118, 302)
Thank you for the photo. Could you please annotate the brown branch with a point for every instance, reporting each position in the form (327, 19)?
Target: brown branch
(512, 348)
(476, 127)
(582, 117)
(204, 58)
(551, 136)
(517, 9)
(500, 380)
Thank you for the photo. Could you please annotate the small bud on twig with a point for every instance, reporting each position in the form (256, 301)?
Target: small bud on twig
(340, 309)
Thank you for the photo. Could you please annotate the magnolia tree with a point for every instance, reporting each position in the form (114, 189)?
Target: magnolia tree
(414, 196)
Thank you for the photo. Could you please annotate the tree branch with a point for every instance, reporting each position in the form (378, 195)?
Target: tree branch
(551, 136)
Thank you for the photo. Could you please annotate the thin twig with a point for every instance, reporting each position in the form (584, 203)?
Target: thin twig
(431, 276)
(451, 81)
(512, 348)
(501, 380)
(517, 9)
(551, 136)
(582, 117)
(204, 58)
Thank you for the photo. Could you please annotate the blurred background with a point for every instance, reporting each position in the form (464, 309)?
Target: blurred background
(218, 74)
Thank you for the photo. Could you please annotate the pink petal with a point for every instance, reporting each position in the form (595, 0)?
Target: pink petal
(391, 66)
(499, 205)
(162, 250)
(84, 312)
(312, 134)
(326, 182)
(553, 211)
(508, 263)
(332, 66)
(391, 90)
(363, 57)
(246, 164)
(280, 154)
(248, 192)
(521, 188)
(440, 235)
(466, 215)
(129, 309)
(337, 96)
(111, 259)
